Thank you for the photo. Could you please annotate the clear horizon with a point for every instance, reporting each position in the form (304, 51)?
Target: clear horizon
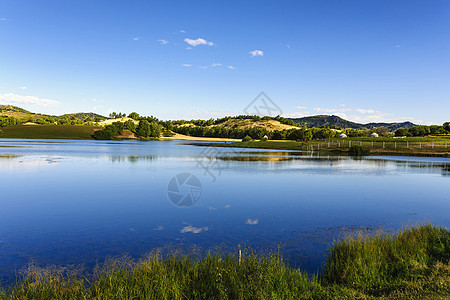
(365, 61)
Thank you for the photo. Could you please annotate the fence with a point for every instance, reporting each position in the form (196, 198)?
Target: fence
(344, 143)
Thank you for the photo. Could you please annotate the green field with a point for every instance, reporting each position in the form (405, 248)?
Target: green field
(412, 264)
(75, 132)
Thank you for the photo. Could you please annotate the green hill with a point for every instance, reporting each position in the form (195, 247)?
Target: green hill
(325, 120)
(82, 116)
(17, 112)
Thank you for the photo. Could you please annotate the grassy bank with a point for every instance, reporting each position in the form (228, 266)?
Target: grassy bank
(75, 132)
(413, 264)
(414, 147)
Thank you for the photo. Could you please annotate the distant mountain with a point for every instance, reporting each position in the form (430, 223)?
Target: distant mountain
(325, 120)
(83, 115)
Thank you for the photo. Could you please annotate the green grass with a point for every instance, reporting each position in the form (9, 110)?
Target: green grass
(413, 264)
(413, 147)
(76, 132)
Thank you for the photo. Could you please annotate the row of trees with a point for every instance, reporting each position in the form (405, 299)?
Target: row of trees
(144, 129)
(64, 120)
(302, 133)
(424, 130)
(240, 117)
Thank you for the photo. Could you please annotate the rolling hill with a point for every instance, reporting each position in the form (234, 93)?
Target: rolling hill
(20, 113)
(325, 120)
(17, 112)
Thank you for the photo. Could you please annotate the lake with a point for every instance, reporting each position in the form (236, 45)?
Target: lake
(79, 202)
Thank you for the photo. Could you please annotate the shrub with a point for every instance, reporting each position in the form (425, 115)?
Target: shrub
(247, 139)
(357, 150)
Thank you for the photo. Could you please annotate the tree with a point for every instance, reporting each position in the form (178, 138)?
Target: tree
(143, 129)
(134, 116)
(129, 124)
(446, 126)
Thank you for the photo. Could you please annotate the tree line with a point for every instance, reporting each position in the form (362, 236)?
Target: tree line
(423, 130)
(144, 129)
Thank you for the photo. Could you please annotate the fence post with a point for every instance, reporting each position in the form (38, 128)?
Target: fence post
(360, 143)
(445, 145)
(432, 145)
(372, 144)
(383, 144)
(395, 144)
(349, 143)
(407, 144)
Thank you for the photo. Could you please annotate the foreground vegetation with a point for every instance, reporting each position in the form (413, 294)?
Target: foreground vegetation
(412, 264)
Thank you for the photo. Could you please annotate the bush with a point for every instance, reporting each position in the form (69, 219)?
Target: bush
(358, 150)
(247, 139)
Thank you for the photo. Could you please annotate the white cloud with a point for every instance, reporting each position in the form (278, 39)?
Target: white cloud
(15, 99)
(186, 65)
(193, 229)
(331, 110)
(23, 88)
(198, 41)
(256, 53)
(231, 67)
(252, 222)
(163, 42)
(203, 67)
(3, 19)
(136, 38)
(159, 228)
(216, 65)
(188, 48)
(364, 111)
(300, 107)
(182, 31)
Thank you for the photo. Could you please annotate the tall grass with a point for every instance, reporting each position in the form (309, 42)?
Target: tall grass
(392, 263)
(411, 264)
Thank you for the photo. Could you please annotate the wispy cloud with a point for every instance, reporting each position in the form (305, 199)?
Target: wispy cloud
(331, 110)
(364, 111)
(159, 228)
(136, 38)
(3, 19)
(23, 88)
(216, 65)
(197, 42)
(163, 42)
(182, 31)
(203, 67)
(27, 100)
(186, 65)
(256, 53)
(231, 67)
(252, 222)
(193, 229)
(300, 107)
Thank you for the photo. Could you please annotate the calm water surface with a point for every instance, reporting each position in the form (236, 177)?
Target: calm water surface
(80, 202)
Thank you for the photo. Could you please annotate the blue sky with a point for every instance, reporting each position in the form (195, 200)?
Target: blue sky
(364, 60)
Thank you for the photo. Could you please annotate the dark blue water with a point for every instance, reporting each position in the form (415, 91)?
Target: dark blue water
(79, 202)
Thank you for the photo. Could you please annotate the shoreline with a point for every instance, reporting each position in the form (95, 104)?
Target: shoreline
(297, 146)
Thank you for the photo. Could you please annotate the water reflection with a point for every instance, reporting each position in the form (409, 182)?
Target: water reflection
(78, 202)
